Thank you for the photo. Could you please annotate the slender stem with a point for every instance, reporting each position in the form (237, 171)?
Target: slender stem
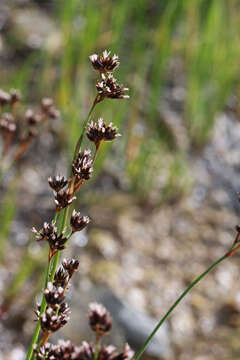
(164, 318)
(52, 269)
(79, 143)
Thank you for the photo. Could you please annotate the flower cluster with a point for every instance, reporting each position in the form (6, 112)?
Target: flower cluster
(104, 63)
(49, 232)
(17, 132)
(98, 317)
(107, 86)
(56, 314)
(100, 131)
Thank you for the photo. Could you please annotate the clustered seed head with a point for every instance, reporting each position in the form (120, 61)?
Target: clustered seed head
(99, 319)
(104, 63)
(57, 183)
(61, 277)
(4, 98)
(82, 166)
(70, 266)
(54, 295)
(51, 321)
(100, 131)
(32, 118)
(49, 109)
(7, 124)
(49, 233)
(66, 350)
(78, 222)
(109, 88)
(63, 199)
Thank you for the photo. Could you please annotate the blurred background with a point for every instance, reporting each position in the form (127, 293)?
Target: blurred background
(163, 198)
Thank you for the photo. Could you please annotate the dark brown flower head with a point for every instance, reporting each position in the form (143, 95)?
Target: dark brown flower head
(99, 319)
(15, 96)
(5, 98)
(60, 277)
(104, 63)
(57, 183)
(82, 166)
(63, 351)
(49, 230)
(127, 354)
(109, 88)
(49, 233)
(100, 131)
(106, 352)
(32, 118)
(43, 353)
(63, 199)
(84, 352)
(54, 295)
(7, 124)
(78, 222)
(49, 109)
(70, 265)
(51, 322)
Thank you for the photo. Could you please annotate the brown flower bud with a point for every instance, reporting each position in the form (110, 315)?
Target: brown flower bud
(54, 295)
(15, 96)
(4, 98)
(63, 199)
(49, 233)
(99, 319)
(50, 322)
(82, 166)
(78, 222)
(100, 131)
(57, 183)
(32, 118)
(109, 88)
(7, 124)
(60, 277)
(70, 266)
(49, 109)
(104, 63)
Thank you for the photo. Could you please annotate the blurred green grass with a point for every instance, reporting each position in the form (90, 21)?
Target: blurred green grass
(188, 44)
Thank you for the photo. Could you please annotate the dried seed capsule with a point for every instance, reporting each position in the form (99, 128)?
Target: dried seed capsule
(60, 277)
(32, 118)
(70, 266)
(57, 183)
(49, 109)
(4, 98)
(100, 131)
(7, 124)
(51, 322)
(54, 295)
(99, 319)
(49, 233)
(63, 199)
(15, 96)
(127, 354)
(85, 352)
(109, 88)
(78, 222)
(82, 166)
(104, 63)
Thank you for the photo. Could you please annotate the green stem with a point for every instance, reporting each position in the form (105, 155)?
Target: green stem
(52, 269)
(164, 318)
(79, 143)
